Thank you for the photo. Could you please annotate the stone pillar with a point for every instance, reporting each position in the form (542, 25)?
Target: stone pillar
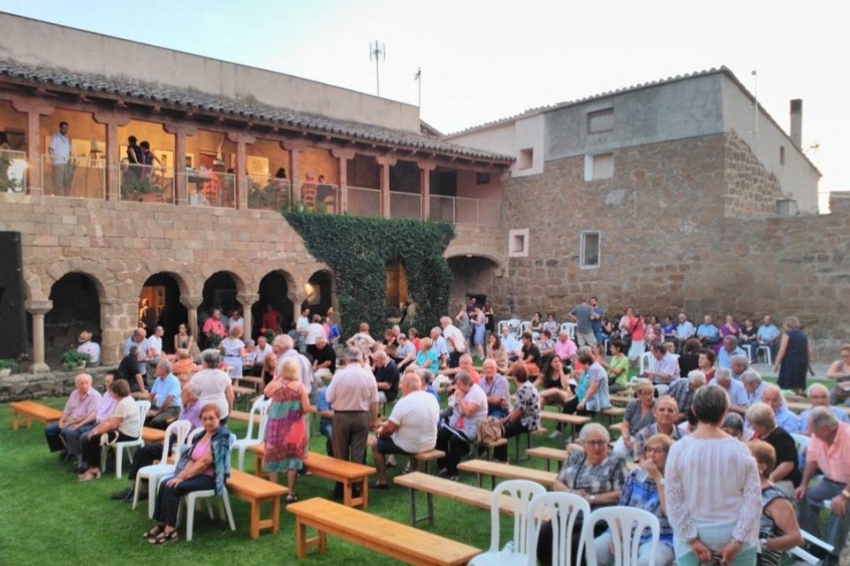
(38, 309)
(192, 303)
(34, 110)
(425, 168)
(241, 140)
(112, 119)
(295, 149)
(247, 300)
(343, 154)
(385, 161)
(181, 181)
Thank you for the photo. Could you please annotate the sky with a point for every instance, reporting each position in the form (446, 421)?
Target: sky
(486, 60)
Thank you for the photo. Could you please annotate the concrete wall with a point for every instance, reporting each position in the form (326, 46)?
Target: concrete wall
(797, 177)
(33, 42)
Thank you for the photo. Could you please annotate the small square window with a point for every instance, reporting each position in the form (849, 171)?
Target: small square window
(518, 243)
(600, 121)
(526, 158)
(782, 155)
(590, 249)
(482, 178)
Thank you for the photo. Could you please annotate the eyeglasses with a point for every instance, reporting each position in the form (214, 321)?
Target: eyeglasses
(596, 443)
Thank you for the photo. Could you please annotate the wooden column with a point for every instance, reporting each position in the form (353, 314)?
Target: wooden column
(295, 149)
(34, 110)
(112, 119)
(385, 161)
(38, 309)
(241, 139)
(425, 168)
(181, 181)
(343, 154)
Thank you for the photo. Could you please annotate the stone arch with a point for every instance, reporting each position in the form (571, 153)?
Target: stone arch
(78, 304)
(472, 275)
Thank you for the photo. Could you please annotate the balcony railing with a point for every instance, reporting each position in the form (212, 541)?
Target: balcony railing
(13, 171)
(364, 202)
(406, 205)
(459, 210)
(210, 188)
(78, 177)
(144, 183)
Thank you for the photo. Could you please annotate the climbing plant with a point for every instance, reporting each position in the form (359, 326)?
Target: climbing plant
(358, 249)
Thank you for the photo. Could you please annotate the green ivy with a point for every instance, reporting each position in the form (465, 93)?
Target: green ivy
(358, 249)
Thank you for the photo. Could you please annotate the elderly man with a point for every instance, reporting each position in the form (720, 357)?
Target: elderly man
(149, 453)
(772, 396)
(818, 396)
(496, 388)
(738, 365)
(753, 385)
(387, 377)
(455, 342)
(829, 452)
(165, 397)
(324, 359)
(730, 350)
(737, 394)
(683, 391)
(664, 368)
(410, 429)
(354, 396)
(786, 474)
(81, 404)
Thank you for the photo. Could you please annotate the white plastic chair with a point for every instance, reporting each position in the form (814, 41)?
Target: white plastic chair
(626, 525)
(570, 327)
(522, 492)
(191, 499)
(118, 447)
(261, 409)
(154, 473)
(561, 509)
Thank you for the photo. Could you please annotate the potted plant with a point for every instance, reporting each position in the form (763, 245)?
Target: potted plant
(7, 367)
(73, 360)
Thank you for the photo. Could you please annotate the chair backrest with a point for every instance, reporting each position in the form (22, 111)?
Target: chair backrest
(179, 430)
(521, 493)
(258, 408)
(561, 509)
(570, 327)
(627, 526)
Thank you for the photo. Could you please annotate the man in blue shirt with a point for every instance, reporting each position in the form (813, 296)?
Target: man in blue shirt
(729, 350)
(768, 335)
(165, 397)
(707, 333)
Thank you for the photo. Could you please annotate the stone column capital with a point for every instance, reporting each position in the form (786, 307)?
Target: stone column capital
(37, 308)
(247, 300)
(191, 302)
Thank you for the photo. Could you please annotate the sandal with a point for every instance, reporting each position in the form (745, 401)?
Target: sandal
(164, 537)
(153, 532)
(291, 498)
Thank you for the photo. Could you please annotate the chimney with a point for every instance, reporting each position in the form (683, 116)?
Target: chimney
(797, 122)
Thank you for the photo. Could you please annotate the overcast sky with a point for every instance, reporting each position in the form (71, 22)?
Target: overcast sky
(486, 60)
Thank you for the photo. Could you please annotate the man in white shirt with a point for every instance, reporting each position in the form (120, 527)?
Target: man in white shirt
(455, 342)
(60, 153)
(410, 429)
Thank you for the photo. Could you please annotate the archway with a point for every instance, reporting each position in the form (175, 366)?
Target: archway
(274, 291)
(162, 293)
(76, 308)
(319, 291)
(219, 293)
(471, 276)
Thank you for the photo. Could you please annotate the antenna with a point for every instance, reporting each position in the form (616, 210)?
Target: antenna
(378, 53)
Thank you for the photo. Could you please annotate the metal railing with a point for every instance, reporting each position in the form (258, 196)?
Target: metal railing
(364, 202)
(406, 205)
(13, 171)
(145, 183)
(460, 210)
(76, 177)
(209, 188)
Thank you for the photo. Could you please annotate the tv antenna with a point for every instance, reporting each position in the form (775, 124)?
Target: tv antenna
(378, 53)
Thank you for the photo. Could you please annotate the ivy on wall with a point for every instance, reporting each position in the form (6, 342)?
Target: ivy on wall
(358, 249)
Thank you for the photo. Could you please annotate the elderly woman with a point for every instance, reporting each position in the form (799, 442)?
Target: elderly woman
(778, 528)
(234, 351)
(713, 494)
(525, 414)
(644, 489)
(666, 413)
(590, 473)
(124, 424)
(216, 386)
(786, 476)
(638, 415)
(203, 466)
(469, 405)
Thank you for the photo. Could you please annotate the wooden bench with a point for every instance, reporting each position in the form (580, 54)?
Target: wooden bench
(496, 470)
(572, 420)
(257, 491)
(28, 411)
(455, 491)
(548, 454)
(153, 435)
(380, 535)
(349, 474)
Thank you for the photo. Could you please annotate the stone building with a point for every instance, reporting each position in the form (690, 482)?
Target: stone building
(667, 196)
(199, 227)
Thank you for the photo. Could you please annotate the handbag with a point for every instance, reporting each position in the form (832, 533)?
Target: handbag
(490, 429)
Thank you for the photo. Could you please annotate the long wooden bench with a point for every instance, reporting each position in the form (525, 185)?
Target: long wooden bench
(455, 491)
(25, 412)
(402, 542)
(571, 420)
(496, 470)
(258, 491)
(548, 454)
(349, 474)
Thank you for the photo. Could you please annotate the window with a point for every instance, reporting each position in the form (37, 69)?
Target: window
(518, 243)
(482, 178)
(590, 249)
(782, 155)
(600, 121)
(598, 166)
(526, 158)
